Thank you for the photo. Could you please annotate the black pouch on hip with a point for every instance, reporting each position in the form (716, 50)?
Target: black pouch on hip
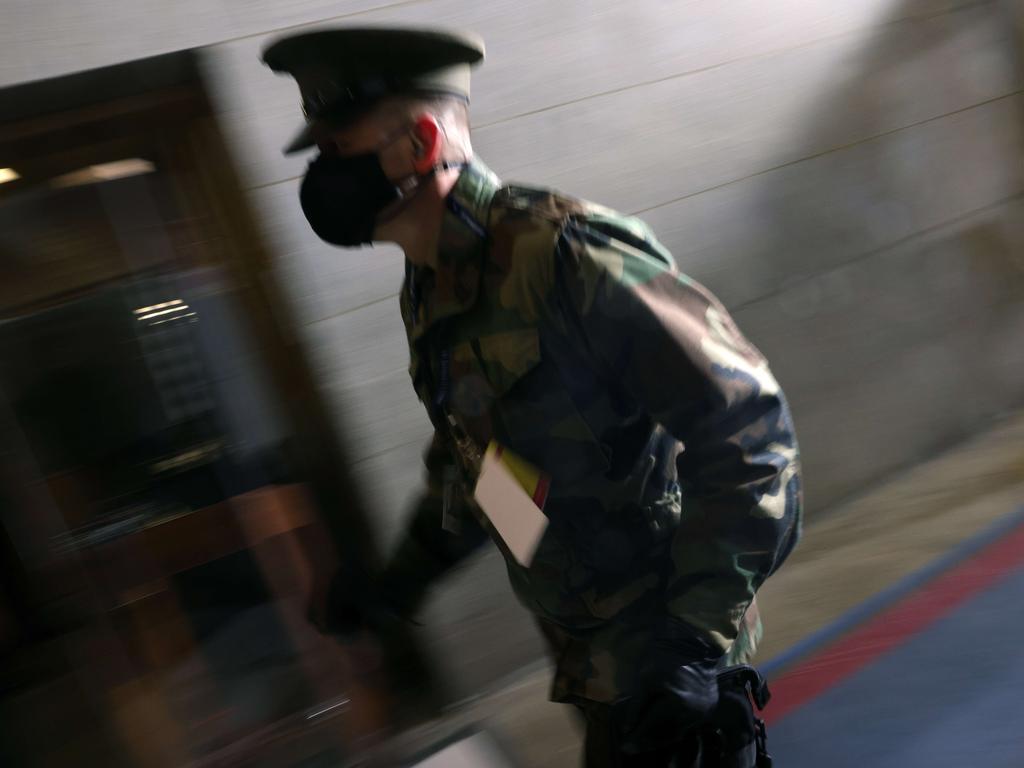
(735, 737)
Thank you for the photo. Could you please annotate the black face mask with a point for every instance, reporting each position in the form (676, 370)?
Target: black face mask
(342, 197)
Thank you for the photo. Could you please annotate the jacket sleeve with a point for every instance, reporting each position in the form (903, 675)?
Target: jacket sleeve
(676, 352)
(426, 551)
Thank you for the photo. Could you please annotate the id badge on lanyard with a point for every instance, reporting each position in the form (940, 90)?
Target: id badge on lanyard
(510, 491)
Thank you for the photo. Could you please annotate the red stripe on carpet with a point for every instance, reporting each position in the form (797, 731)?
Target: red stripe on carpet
(910, 616)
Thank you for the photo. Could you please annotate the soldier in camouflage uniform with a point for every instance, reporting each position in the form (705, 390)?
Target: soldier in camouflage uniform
(564, 332)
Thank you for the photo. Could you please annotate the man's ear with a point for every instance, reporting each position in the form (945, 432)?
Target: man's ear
(430, 141)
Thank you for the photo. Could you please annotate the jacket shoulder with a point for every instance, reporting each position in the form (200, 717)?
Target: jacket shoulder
(532, 230)
(523, 229)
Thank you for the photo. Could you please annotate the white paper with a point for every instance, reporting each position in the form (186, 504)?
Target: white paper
(510, 509)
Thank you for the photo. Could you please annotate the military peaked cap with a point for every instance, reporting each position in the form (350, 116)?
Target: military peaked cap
(343, 72)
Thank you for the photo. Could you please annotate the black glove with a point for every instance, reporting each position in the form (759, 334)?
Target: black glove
(676, 691)
(354, 602)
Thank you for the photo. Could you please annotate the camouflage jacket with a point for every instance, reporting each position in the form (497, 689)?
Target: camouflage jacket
(564, 331)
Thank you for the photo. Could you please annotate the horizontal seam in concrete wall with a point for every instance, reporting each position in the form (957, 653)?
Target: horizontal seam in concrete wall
(830, 150)
(763, 171)
(967, 6)
(419, 438)
(379, 377)
(349, 310)
(949, 11)
(761, 55)
(903, 241)
(328, 19)
(881, 250)
(839, 148)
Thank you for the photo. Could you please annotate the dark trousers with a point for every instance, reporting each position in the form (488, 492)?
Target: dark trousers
(601, 748)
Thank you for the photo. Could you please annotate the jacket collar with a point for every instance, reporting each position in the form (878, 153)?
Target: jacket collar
(430, 295)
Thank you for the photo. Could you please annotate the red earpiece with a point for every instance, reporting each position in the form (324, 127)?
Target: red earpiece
(429, 135)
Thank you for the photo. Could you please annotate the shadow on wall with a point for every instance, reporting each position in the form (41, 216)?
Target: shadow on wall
(889, 280)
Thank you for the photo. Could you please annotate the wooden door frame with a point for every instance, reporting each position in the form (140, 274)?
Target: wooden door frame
(164, 98)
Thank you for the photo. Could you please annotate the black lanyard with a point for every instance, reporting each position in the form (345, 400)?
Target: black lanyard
(444, 377)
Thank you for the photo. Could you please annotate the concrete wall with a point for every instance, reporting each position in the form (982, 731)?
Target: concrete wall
(846, 176)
